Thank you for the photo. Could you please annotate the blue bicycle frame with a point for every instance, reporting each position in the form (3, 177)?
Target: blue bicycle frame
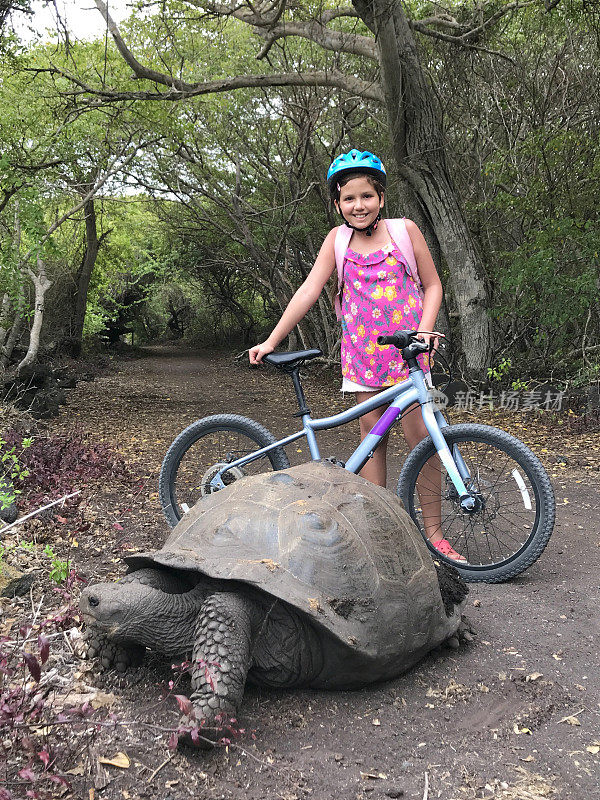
(400, 397)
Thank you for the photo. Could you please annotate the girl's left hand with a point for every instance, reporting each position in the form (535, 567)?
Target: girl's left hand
(432, 340)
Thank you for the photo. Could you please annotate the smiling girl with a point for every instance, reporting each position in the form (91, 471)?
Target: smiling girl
(387, 281)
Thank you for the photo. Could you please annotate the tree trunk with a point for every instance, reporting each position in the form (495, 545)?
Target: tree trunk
(4, 319)
(41, 284)
(92, 245)
(417, 138)
(15, 331)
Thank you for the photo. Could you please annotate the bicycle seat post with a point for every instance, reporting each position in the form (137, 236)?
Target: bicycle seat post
(302, 407)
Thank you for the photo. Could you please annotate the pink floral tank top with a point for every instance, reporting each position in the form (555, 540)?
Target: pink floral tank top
(379, 297)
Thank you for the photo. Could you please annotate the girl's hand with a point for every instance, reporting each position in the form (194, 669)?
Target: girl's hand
(257, 352)
(432, 340)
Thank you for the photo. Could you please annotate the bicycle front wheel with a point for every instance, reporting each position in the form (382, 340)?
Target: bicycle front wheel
(515, 502)
(202, 450)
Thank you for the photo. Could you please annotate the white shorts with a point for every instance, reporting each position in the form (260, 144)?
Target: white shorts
(351, 386)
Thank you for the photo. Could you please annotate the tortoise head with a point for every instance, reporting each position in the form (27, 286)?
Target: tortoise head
(116, 608)
(146, 610)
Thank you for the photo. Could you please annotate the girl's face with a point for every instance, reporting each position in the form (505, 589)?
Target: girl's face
(359, 202)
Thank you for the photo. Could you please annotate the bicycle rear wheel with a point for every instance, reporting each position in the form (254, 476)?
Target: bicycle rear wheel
(515, 518)
(204, 448)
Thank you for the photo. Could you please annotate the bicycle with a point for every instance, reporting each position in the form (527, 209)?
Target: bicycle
(493, 497)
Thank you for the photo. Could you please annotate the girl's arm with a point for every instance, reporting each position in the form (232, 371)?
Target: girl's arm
(303, 300)
(430, 280)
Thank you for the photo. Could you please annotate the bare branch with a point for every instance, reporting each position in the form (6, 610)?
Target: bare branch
(38, 511)
(441, 20)
(316, 31)
(424, 26)
(57, 162)
(253, 14)
(331, 78)
(139, 70)
(502, 12)
(181, 89)
(460, 42)
(336, 13)
(7, 194)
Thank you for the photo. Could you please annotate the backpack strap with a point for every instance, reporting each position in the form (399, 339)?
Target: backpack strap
(342, 240)
(398, 232)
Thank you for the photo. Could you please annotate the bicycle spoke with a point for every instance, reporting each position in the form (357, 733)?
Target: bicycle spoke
(501, 526)
(196, 463)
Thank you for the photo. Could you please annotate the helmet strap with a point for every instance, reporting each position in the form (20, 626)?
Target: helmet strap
(368, 231)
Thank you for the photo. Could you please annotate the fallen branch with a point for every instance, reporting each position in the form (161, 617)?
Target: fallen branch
(38, 511)
(97, 723)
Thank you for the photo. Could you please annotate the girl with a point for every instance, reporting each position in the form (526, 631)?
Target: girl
(378, 293)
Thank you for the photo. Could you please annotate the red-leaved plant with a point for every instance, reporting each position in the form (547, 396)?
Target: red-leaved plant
(225, 728)
(31, 727)
(57, 464)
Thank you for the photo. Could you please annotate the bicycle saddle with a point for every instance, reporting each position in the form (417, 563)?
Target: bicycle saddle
(291, 360)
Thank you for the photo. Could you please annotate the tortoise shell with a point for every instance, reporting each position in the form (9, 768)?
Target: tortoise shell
(334, 546)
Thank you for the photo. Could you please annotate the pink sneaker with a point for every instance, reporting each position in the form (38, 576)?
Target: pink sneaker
(446, 549)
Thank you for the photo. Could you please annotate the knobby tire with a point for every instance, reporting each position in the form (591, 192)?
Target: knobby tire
(245, 434)
(505, 537)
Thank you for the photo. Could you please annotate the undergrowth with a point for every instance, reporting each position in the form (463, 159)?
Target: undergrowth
(37, 739)
(55, 465)
(58, 568)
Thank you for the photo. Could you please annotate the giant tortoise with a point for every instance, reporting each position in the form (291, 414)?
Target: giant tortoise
(310, 576)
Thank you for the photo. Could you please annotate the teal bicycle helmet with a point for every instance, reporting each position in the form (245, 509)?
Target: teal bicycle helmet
(355, 161)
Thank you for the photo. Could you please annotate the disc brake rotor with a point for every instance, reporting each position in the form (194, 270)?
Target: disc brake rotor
(483, 490)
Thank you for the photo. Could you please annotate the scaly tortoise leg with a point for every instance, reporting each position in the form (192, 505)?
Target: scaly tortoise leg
(220, 661)
(111, 655)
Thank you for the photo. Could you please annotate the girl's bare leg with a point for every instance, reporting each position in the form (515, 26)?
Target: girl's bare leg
(429, 482)
(375, 468)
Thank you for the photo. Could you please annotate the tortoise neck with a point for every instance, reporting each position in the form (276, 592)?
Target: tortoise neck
(169, 620)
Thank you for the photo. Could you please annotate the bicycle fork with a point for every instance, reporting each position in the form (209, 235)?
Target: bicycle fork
(455, 465)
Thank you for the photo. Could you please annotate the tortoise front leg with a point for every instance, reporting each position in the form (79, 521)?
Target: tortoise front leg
(121, 656)
(221, 659)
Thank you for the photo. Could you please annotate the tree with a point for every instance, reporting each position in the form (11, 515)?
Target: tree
(8, 7)
(507, 113)
(525, 133)
(246, 209)
(396, 79)
(54, 162)
(31, 265)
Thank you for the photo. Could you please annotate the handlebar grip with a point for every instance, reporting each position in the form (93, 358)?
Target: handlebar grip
(399, 340)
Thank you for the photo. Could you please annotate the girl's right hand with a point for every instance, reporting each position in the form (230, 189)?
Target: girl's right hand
(257, 352)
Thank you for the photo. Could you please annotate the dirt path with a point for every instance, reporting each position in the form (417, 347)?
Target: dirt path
(488, 720)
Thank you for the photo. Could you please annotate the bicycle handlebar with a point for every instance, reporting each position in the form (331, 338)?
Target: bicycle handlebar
(403, 339)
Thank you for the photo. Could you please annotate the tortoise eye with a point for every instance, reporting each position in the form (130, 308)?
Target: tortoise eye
(93, 601)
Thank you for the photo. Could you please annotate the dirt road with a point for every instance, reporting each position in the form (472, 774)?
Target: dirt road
(515, 714)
